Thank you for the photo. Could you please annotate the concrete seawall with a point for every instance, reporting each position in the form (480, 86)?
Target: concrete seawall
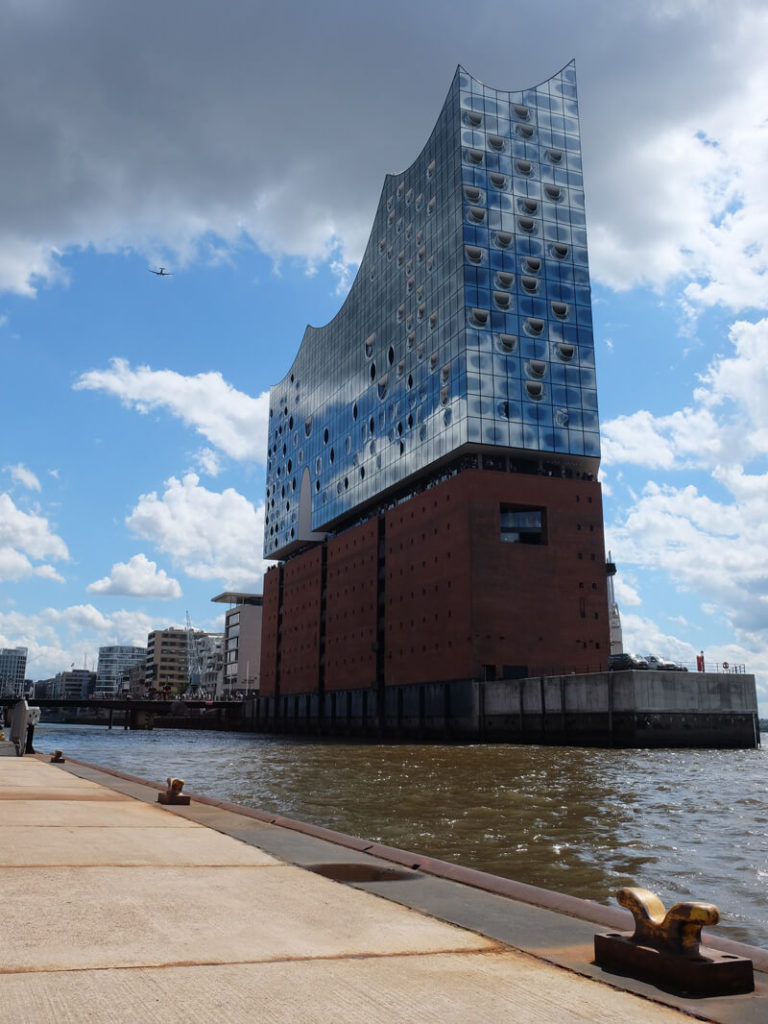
(614, 709)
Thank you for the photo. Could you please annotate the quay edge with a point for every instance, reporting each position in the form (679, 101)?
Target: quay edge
(550, 930)
(609, 709)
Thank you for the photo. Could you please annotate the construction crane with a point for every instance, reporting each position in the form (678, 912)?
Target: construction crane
(194, 665)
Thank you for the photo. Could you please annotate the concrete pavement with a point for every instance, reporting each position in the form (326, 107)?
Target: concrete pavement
(113, 908)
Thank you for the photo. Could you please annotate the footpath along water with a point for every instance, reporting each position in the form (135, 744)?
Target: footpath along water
(197, 913)
(685, 824)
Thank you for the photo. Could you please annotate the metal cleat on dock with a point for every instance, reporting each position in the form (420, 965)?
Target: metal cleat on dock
(665, 948)
(56, 757)
(173, 794)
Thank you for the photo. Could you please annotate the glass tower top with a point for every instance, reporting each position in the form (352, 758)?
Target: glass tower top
(468, 326)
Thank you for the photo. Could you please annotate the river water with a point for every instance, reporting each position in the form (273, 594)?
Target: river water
(687, 824)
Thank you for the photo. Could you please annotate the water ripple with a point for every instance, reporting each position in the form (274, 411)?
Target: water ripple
(686, 824)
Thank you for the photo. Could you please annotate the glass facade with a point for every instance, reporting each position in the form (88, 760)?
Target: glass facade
(13, 666)
(114, 664)
(468, 325)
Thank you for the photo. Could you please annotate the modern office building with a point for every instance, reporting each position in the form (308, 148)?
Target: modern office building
(114, 666)
(76, 683)
(432, 452)
(210, 649)
(242, 632)
(13, 666)
(49, 688)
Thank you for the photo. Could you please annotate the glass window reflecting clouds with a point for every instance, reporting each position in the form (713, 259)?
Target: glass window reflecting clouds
(469, 321)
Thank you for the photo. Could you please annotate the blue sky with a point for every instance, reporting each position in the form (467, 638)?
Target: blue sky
(245, 149)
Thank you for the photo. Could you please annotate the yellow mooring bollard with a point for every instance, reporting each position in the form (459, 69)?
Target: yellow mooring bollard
(173, 794)
(665, 948)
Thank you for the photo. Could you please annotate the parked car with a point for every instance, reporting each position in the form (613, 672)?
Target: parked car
(620, 662)
(617, 662)
(660, 665)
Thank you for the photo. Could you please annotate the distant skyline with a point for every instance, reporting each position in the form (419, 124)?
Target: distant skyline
(227, 147)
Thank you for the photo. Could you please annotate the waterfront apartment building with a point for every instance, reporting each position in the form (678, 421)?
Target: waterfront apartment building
(13, 666)
(166, 663)
(242, 632)
(114, 665)
(432, 499)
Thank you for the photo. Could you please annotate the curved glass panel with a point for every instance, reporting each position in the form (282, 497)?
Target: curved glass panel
(479, 243)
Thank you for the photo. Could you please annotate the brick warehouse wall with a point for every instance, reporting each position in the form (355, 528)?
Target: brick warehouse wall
(300, 637)
(547, 605)
(459, 598)
(351, 602)
(268, 667)
(429, 587)
(458, 601)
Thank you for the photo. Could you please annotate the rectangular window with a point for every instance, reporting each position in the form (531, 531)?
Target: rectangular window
(522, 525)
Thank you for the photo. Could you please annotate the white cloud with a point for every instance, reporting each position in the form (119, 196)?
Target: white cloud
(231, 420)
(712, 545)
(208, 461)
(137, 578)
(644, 636)
(26, 538)
(29, 532)
(679, 619)
(694, 171)
(60, 637)
(14, 565)
(208, 535)
(116, 139)
(729, 414)
(636, 438)
(625, 593)
(24, 476)
(738, 384)
(665, 442)
(716, 549)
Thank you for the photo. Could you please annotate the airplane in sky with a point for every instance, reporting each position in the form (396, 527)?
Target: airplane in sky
(162, 272)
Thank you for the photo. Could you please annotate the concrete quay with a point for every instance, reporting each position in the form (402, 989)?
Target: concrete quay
(600, 709)
(117, 909)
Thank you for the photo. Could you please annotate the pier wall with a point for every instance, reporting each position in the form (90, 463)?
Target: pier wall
(614, 709)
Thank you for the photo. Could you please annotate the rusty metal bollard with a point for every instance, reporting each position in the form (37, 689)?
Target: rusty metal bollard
(173, 794)
(665, 948)
(56, 757)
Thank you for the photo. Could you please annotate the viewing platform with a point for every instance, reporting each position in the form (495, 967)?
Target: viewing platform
(115, 908)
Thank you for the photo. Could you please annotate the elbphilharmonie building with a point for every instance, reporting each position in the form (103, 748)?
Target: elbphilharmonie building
(431, 494)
